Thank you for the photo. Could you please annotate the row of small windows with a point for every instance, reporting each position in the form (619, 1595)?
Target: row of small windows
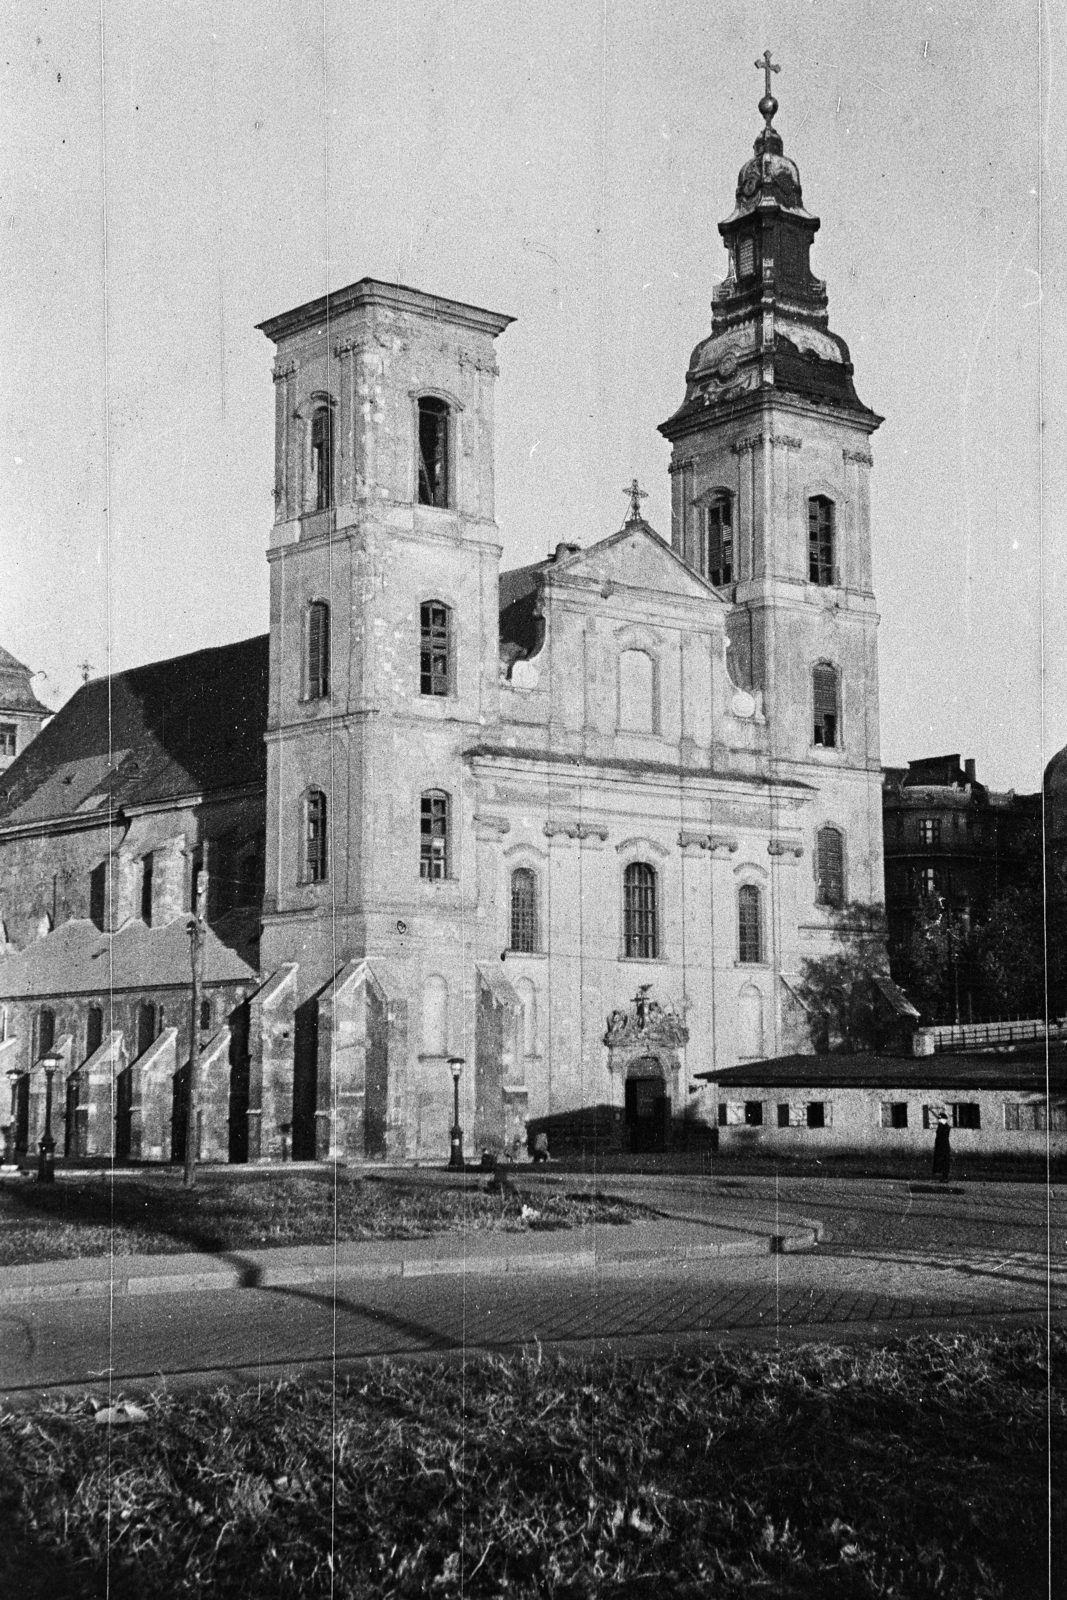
(640, 883)
(436, 675)
(150, 1023)
(715, 556)
(1019, 1117)
(432, 462)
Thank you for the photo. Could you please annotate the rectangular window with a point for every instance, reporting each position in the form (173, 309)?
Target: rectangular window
(783, 1115)
(816, 1114)
(928, 881)
(1022, 1118)
(719, 542)
(930, 830)
(322, 458)
(754, 1113)
(723, 1111)
(146, 889)
(966, 1114)
(894, 1113)
(8, 738)
(821, 541)
(746, 257)
(435, 649)
(433, 837)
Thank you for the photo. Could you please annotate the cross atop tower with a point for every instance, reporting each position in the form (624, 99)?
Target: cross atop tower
(768, 105)
(636, 494)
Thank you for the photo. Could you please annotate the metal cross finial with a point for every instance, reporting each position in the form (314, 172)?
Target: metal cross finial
(636, 494)
(85, 668)
(767, 66)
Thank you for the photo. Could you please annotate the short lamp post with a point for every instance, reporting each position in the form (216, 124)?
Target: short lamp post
(455, 1156)
(46, 1160)
(11, 1131)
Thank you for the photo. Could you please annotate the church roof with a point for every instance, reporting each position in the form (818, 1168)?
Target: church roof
(190, 725)
(78, 959)
(16, 693)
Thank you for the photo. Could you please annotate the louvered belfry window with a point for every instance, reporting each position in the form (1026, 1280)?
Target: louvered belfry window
(316, 860)
(824, 701)
(322, 459)
(435, 648)
(830, 868)
(640, 912)
(719, 554)
(318, 685)
(523, 909)
(821, 541)
(433, 485)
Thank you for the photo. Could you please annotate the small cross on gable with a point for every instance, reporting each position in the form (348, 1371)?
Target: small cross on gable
(636, 495)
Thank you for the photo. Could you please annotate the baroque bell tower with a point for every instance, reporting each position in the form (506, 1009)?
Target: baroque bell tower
(771, 503)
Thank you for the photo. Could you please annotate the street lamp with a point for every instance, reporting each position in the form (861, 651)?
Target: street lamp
(46, 1160)
(11, 1131)
(455, 1157)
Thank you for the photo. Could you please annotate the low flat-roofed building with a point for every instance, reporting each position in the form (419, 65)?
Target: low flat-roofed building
(1010, 1103)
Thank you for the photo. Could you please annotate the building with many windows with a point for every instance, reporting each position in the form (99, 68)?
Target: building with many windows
(578, 825)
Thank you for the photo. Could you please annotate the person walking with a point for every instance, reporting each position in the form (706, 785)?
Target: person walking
(942, 1149)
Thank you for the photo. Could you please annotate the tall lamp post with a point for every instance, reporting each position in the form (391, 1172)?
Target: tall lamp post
(11, 1131)
(455, 1156)
(46, 1160)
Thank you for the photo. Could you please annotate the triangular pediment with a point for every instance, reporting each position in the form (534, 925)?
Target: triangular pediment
(637, 557)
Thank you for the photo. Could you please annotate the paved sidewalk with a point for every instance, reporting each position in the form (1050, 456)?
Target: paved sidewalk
(667, 1240)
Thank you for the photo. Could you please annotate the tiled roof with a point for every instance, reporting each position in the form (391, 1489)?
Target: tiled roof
(78, 959)
(1023, 1068)
(191, 725)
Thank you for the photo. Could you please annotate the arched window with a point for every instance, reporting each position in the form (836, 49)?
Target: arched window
(146, 1026)
(749, 924)
(434, 836)
(829, 868)
(432, 463)
(527, 996)
(637, 691)
(523, 909)
(315, 856)
(435, 648)
(94, 1029)
(824, 704)
(435, 1016)
(321, 495)
(44, 1031)
(718, 552)
(821, 541)
(750, 1022)
(318, 650)
(640, 912)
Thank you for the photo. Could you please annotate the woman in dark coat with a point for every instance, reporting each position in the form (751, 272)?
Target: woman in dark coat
(942, 1150)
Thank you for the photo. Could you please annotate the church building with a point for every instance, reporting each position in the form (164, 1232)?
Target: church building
(571, 831)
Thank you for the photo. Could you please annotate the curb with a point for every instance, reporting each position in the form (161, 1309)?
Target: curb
(230, 1276)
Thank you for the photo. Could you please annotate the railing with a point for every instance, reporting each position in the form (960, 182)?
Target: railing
(976, 1035)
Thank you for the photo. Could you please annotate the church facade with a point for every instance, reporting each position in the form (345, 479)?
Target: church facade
(572, 830)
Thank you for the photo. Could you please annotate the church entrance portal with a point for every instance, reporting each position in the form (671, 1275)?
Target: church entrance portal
(647, 1106)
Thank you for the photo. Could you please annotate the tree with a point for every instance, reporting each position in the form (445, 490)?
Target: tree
(849, 1011)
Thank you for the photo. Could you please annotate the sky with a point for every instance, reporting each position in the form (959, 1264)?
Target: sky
(172, 173)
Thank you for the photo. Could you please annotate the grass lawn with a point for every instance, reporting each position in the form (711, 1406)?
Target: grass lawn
(916, 1469)
(94, 1216)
